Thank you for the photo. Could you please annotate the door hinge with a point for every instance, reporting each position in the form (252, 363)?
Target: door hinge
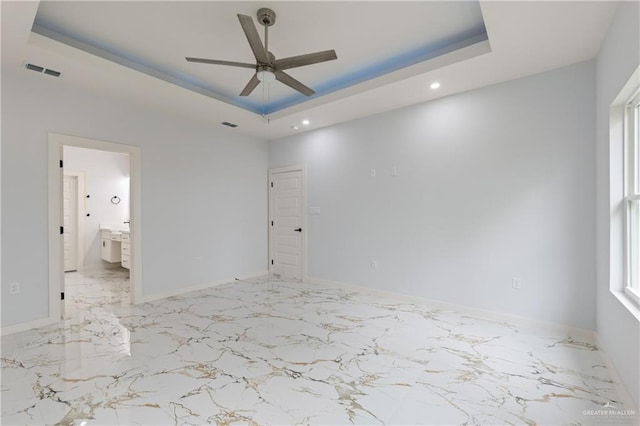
(62, 296)
(271, 183)
(272, 261)
(271, 223)
(61, 230)
(60, 163)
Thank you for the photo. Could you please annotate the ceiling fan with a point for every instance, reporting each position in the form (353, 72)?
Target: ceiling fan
(267, 67)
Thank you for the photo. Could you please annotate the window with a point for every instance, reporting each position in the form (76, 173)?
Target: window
(632, 195)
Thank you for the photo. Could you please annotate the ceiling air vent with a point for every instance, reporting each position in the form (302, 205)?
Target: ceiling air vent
(47, 71)
(226, 123)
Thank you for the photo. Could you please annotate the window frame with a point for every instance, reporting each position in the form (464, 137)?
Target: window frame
(631, 164)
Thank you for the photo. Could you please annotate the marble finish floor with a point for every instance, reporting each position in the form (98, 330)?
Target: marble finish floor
(87, 289)
(272, 352)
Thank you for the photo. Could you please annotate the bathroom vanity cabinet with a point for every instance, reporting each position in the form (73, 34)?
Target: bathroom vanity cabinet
(111, 246)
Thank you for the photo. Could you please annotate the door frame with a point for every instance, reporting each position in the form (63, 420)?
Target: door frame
(81, 179)
(56, 142)
(303, 171)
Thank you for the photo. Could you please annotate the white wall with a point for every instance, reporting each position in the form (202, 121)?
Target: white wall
(493, 184)
(618, 330)
(106, 176)
(203, 190)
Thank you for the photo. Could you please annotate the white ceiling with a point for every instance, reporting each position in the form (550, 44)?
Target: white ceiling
(153, 37)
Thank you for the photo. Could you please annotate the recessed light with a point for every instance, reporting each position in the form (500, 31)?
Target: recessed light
(305, 122)
(294, 127)
(435, 85)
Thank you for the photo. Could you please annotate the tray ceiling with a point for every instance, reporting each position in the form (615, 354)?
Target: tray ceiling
(129, 49)
(372, 39)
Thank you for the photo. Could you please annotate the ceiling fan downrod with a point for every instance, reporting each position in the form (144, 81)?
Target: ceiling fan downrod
(267, 18)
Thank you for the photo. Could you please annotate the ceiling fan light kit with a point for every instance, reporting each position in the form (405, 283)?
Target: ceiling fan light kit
(267, 67)
(266, 75)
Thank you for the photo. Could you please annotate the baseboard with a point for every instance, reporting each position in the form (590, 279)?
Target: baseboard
(181, 291)
(623, 392)
(477, 312)
(28, 325)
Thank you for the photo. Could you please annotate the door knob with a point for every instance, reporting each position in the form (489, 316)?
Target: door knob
(298, 229)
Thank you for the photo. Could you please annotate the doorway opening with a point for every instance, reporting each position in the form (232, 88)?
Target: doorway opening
(96, 263)
(94, 228)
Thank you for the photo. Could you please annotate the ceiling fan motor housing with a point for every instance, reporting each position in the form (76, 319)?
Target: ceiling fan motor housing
(266, 17)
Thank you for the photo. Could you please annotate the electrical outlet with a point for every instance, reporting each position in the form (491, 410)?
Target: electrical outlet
(374, 264)
(394, 171)
(516, 283)
(14, 288)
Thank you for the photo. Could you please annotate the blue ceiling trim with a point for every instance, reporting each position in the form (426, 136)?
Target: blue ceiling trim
(189, 82)
(95, 47)
(404, 60)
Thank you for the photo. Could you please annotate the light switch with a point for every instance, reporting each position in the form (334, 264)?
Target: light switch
(314, 211)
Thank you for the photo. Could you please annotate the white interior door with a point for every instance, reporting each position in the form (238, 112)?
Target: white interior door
(286, 194)
(70, 222)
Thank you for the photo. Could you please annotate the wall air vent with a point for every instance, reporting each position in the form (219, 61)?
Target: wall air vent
(226, 123)
(34, 68)
(47, 71)
(52, 72)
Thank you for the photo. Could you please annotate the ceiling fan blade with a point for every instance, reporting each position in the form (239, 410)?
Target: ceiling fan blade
(216, 62)
(250, 86)
(254, 39)
(285, 78)
(302, 60)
